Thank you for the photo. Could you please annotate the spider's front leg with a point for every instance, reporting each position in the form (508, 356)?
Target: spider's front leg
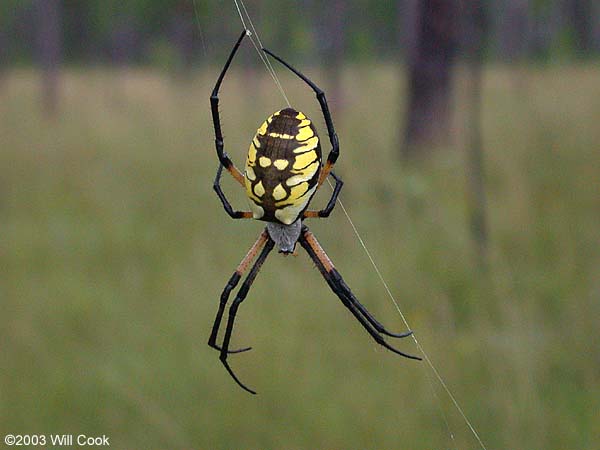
(334, 153)
(341, 289)
(214, 107)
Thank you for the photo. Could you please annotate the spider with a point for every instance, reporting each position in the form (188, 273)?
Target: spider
(283, 171)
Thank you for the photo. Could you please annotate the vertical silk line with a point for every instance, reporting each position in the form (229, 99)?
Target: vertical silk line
(202, 40)
(258, 47)
(253, 33)
(264, 57)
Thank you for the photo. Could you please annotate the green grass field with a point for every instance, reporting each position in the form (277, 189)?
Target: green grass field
(114, 251)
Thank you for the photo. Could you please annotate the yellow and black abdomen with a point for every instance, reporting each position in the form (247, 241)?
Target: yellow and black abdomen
(283, 166)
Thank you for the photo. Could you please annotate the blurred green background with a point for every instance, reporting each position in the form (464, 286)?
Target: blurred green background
(114, 249)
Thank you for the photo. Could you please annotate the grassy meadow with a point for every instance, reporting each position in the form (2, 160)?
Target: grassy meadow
(114, 251)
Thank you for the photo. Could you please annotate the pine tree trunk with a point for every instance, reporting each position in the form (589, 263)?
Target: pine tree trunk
(333, 51)
(580, 13)
(49, 51)
(430, 75)
(3, 57)
(475, 38)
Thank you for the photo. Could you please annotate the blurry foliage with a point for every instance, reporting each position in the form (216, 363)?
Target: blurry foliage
(91, 27)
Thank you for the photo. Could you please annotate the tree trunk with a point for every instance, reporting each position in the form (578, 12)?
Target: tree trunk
(330, 19)
(124, 41)
(408, 14)
(49, 46)
(513, 34)
(332, 45)
(580, 14)
(182, 35)
(475, 39)
(3, 57)
(430, 75)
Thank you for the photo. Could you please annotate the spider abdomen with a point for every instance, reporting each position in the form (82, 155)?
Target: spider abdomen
(282, 167)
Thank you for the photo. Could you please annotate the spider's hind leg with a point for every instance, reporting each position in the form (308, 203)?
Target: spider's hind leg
(241, 295)
(341, 289)
(231, 284)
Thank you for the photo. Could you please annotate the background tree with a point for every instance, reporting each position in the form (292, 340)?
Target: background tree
(580, 14)
(182, 33)
(49, 51)
(331, 40)
(3, 55)
(475, 32)
(430, 75)
(513, 29)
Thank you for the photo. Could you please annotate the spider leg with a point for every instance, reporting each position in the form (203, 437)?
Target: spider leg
(331, 203)
(226, 205)
(231, 284)
(335, 145)
(241, 295)
(214, 106)
(341, 289)
(339, 281)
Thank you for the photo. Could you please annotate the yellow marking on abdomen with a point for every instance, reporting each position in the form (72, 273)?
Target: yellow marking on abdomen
(297, 179)
(250, 175)
(308, 145)
(288, 214)
(295, 196)
(281, 163)
(310, 170)
(264, 161)
(281, 135)
(263, 128)
(259, 189)
(252, 155)
(279, 192)
(297, 192)
(304, 160)
(249, 192)
(304, 133)
(257, 211)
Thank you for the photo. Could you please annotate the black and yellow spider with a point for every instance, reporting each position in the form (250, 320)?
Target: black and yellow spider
(283, 172)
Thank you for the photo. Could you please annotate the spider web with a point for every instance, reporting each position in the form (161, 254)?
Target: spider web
(253, 35)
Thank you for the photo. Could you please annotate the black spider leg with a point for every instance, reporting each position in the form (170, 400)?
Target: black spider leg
(336, 192)
(241, 295)
(226, 205)
(332, 201)
(341, 289)
(212, 340)
(214, 106)
(335, 146)
(231, 284)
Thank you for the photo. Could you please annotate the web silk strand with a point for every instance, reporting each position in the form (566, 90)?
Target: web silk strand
(253, 34)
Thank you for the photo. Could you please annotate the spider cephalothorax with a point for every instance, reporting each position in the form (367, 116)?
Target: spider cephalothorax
(283, 171)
